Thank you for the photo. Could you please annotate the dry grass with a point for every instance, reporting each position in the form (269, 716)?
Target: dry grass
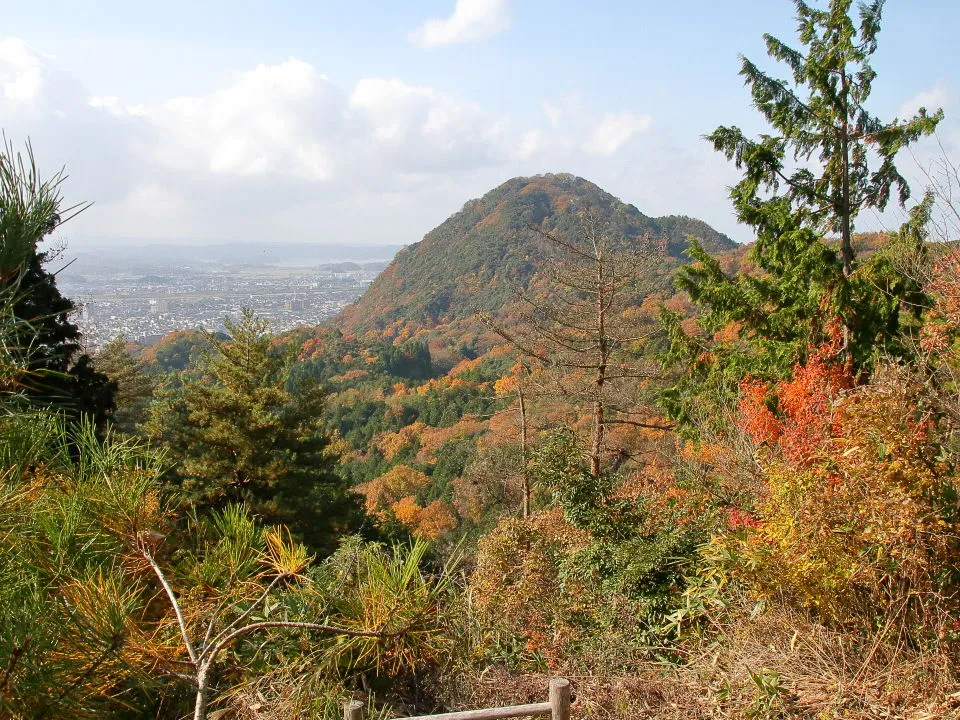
(780, 664)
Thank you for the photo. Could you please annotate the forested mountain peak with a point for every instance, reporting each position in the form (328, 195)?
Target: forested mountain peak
(480, 256)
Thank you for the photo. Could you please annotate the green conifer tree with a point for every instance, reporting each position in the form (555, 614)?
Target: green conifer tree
(240, 433)
(134, 385)
(803, 186)
(56, 374)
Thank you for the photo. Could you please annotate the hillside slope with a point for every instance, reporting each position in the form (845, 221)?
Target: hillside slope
(479, 257)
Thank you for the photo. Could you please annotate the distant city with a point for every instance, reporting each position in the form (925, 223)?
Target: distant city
(146, 293)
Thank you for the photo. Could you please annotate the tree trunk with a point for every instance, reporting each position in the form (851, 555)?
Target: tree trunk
(203, 690)
(596, 446)
(846, 231)
(523, 449)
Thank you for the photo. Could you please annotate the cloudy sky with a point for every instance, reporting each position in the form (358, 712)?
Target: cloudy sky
(371, 121)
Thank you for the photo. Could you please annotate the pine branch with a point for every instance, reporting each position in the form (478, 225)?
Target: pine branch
(184, 634)
(247, 612)
(317, 627)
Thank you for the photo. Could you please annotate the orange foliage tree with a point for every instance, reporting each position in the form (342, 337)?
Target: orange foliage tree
(856, 519)
(393, 496)
(795, 414)
(398, 482)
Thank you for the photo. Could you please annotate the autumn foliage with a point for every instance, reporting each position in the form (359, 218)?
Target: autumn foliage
(795, 415)
(518, 585)
(857, 518)
(393, 496)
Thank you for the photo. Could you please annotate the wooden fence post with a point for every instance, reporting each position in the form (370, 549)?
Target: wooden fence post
(353, 710)
(560, 699)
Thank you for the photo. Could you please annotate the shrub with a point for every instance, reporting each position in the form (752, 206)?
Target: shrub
(859, 517)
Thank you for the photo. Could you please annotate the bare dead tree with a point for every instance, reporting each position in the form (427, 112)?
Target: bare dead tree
(578, 326)
(942, 179)
(524, 442)
(936, 267)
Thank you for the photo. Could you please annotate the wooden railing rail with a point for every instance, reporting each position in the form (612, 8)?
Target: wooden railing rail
(557, 707)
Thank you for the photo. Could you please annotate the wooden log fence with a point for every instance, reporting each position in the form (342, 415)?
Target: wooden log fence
(557, 707)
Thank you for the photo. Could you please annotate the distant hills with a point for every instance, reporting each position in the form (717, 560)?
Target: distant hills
(132, 256)
(481, 255)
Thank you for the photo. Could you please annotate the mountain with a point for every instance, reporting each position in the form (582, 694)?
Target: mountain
(479, 257)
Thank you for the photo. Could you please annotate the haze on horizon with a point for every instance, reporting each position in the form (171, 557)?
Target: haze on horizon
(371, 122)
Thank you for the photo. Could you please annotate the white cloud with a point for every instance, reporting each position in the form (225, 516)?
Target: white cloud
(42, 102)
(531, 143)
(935, 98)
(471, 20)
(145, 201)
(393, 108)
(22, 75)
(272, 119)
(554, 114)
(418, 129)
(283, 152)
(113, 106)
(33, 82)
(614, 130)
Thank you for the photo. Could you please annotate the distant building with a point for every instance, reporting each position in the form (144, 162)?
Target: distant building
(293, 305)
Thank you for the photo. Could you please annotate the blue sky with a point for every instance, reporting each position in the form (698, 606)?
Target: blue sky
(335, 121)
